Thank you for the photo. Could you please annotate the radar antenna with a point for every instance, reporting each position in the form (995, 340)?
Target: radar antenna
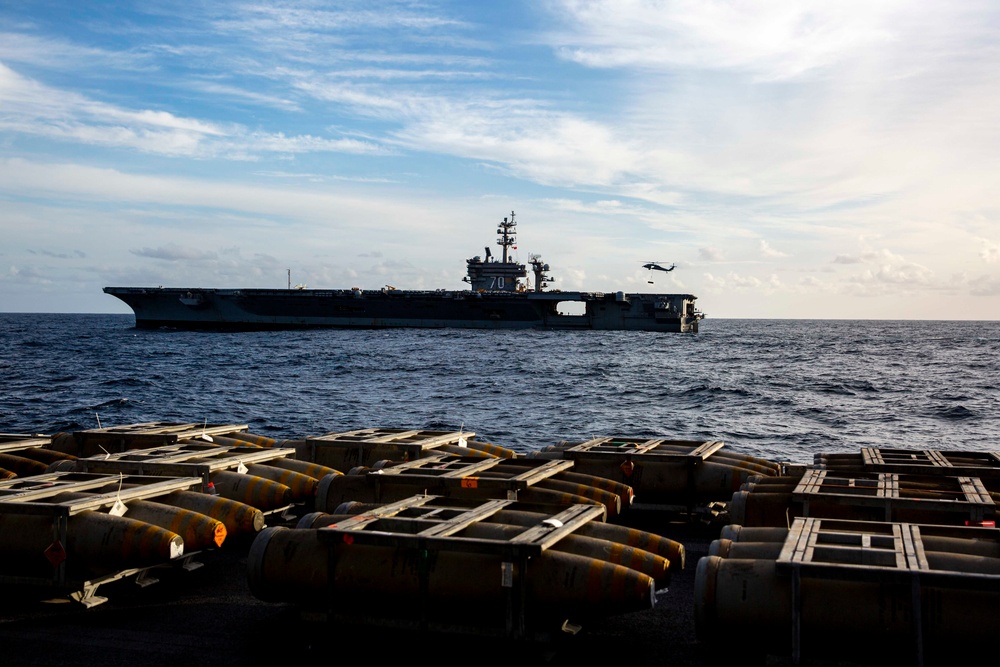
(507, 231)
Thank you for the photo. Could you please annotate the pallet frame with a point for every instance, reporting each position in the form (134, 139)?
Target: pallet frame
(645, 450)
(451, 471)
(174, 460)
(413, 444)
(871, 551)
(930, 462)
(149, 434)
(12, 442)
(970, 498)
(431, 524)
(26, 496)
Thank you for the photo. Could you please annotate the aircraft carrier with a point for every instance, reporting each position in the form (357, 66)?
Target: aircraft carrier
(500, 296)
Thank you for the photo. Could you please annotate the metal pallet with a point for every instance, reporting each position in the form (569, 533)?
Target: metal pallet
(12, 442)
(885, 553)
(965, 497)
(178, 460)
(444, 471)
(614, 446)
(622, 459)
(35, 496)
(430, 523)
(981, 464)
(147, 434)
(360, 445)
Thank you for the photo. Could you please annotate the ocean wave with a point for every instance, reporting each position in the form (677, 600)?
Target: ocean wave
(956, 412)
(782, 387)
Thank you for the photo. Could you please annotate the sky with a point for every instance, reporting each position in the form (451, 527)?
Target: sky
(793, 158)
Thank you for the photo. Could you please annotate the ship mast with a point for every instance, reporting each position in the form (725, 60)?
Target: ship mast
(494, 276)
(506, 230)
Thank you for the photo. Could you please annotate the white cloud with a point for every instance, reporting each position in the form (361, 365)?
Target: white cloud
(990, 252)
(304, 19)
(249, 205)
(889, 273)
(733, 280)
(767, 251)
(31, 108)
(173, 252)
(985, 286)
(774, 40)
(529, 142)
(23, 47)
(29, 274)
(711, 254)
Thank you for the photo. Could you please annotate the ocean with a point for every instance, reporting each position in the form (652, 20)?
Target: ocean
(782, 389)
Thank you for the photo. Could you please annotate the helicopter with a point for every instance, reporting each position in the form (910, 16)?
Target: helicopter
(656, 266)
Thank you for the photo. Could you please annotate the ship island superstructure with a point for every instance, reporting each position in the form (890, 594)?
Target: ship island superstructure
(499, 297)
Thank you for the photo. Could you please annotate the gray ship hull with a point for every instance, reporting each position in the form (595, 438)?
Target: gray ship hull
(252, 309)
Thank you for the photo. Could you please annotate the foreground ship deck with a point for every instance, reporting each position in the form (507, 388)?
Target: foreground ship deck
(483, 567)
(500, 298)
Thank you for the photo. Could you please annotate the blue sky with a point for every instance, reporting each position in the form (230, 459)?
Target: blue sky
(793, 158)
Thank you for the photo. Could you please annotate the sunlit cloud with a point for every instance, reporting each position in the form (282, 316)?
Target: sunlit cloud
(990, 251)
(773, 40)
(733, 280)
(29, 107)
(767, 251)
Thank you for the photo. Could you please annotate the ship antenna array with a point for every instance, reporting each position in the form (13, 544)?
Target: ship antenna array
(506, 229)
